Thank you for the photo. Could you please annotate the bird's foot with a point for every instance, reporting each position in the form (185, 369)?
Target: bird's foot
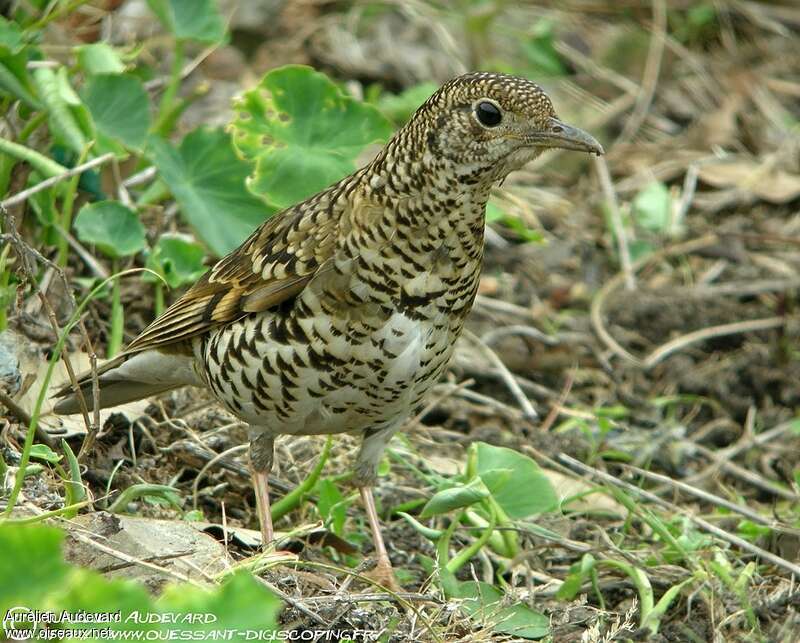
(383, 574)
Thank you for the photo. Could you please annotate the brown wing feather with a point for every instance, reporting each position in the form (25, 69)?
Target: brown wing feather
(273, 265)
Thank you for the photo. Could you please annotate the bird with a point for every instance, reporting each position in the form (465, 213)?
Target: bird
(340, 313)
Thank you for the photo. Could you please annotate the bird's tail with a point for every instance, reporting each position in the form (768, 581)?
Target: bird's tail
(130, 377)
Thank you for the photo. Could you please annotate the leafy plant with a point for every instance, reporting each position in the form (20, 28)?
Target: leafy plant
(496, 213)
(115, 230)
(177, 260)
(542, 58)
(207, 179)
(238, 604)
(398, 108)
(650, 611)
(302, 133)
(498, 486)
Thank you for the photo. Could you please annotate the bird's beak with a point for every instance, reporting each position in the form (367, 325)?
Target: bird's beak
(559, 134)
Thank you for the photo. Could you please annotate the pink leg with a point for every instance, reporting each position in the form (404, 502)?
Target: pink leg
(261, 484)
(383, 572)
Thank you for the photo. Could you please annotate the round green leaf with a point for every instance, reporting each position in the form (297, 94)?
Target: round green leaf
(99, 58)
(193, 19)
(119, 107)
(207, 180)
(515, 481)
(303, 133)
(177, 259)
(112, 227)
(484, 604)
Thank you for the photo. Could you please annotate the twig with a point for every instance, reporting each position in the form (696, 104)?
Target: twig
(665, 350)
(758, 439)
(748, 476)
(53, 180)
(500, 306)
(211, 463)
(140, 177)
(703, 524)
(596, 309)
(24, 252)
(518, 329)
(298, 605)
(616, 220)
(186, 70)
(513, 386)
(554, 412)
(372, 598)
(24, 417)
(687, 194)
(704, 495)
(95, 266)
(436, 401)
(652, 68)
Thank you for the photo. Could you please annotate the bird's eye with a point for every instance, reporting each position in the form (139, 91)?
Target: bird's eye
(488, 114)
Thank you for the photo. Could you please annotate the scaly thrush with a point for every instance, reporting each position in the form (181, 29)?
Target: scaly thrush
(341, 312)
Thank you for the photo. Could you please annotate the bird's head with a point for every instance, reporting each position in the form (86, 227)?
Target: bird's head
(484, 125)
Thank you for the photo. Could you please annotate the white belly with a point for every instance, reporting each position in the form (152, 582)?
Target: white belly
(372, 383)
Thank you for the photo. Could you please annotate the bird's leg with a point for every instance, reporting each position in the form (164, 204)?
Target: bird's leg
(365, 475)
(261, 454)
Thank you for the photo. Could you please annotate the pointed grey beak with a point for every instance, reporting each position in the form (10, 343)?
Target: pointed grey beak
(567, 137)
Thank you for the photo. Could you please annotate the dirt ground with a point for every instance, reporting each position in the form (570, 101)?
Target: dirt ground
(679, 355)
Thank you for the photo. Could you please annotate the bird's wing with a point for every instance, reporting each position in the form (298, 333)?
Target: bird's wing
(273, 265)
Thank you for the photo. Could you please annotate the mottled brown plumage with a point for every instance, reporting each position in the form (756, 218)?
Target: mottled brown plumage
(340, 313)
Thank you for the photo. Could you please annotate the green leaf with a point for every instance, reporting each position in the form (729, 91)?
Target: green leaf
(207, 180)
(484, 604)
(303, 133)
(36, 551)
(239, 604)
(112, 227)
(578, 573)
(87, 590)
(43, 203)
(495, 213)
(543, 59)
(177, 259)
(161, 493)
(455, 498)
(11, 40)
(400, 107)
(190, 19)
(74, 488)
(99, 58)
(35, 576)
(15, 80)
(522, 493)
(119, 106)
(330, 505)
(44, 452)
(752, 531)
(428, 532)
(652, 207)
(63, 107)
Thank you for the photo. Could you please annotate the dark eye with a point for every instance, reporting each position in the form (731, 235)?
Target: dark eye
(488, 114)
